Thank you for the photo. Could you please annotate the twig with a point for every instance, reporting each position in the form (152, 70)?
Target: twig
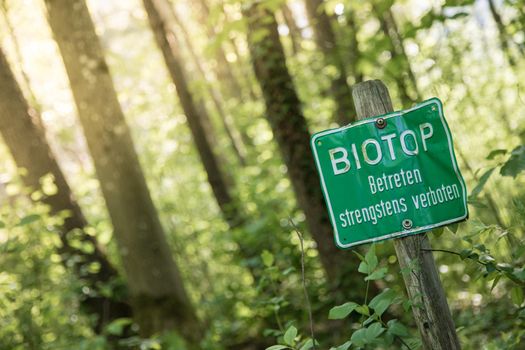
(458, 254)
(308, 306)
(519, 94)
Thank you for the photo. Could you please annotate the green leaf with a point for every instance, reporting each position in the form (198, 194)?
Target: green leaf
(371, 258)
(407, 304)
(289, 335)
(26, 220)
(369, 264)
(359, 337)
(494, 153)
(307, 345)
(495, 282)
(377, 274)
(382, 302)
(116, 327)
(259, 35)
(465, 253)
(453, 228)
(374, 331)
(342, 311)
(344, 346)
(267, 258)
(277, 347)
(521, 314)
(519, 274)
(397, 328)
(516, 294)
(454, 3)
(481, 183)
(363, 310)
(515, 164)
(438, 231)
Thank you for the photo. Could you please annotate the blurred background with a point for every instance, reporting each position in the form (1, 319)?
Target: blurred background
(158, 191)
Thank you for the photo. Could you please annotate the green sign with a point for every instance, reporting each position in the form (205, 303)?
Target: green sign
(390, 176)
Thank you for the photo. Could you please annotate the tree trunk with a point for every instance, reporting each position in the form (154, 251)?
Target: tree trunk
(326, 41)
(26, 141)
(158, 296)
(397, 52)
(216, 97)
(293, 28)
(156, 10)
(245, 68)
(354, 47)
(224, 69)
(284, 114)
(502, 33)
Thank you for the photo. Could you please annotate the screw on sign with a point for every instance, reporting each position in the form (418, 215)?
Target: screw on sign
(395, 175)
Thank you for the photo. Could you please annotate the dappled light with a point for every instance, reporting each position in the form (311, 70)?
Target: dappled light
(227, 174)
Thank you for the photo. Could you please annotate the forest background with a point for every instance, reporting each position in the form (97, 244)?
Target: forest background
(158, 190)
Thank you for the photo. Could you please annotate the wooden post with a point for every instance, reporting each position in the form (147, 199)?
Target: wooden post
(431, 311)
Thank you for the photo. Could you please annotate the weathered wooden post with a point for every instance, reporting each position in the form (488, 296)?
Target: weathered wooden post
(432, 315)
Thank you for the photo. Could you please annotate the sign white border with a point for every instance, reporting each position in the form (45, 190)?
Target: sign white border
(372, 120)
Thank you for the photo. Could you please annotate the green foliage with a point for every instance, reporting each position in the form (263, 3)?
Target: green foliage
(256, 297)
(516, 163)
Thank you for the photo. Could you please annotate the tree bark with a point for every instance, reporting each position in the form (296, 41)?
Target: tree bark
(158, 296)
(283, 110)
(414, 254)
(326, 41)
(25, 139)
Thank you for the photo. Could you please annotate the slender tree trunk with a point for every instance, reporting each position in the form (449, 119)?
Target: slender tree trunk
(27, 144)
(397, 51)
(216, 96)
(326, 41)
(291, 132)
(222, 190)
(502, 33)
(354, 47)
(156, 10)
(293, 28)
(245, 68)
(399, 46)
(224, 69)
(158, 296)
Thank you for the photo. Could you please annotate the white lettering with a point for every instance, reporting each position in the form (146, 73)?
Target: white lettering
(336, 161)
(403, 136)
(426, 136)
(378, 150)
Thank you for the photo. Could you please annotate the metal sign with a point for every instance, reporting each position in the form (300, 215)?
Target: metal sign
(390, 176)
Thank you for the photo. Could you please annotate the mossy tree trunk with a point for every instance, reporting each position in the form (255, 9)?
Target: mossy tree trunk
(283, 111)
